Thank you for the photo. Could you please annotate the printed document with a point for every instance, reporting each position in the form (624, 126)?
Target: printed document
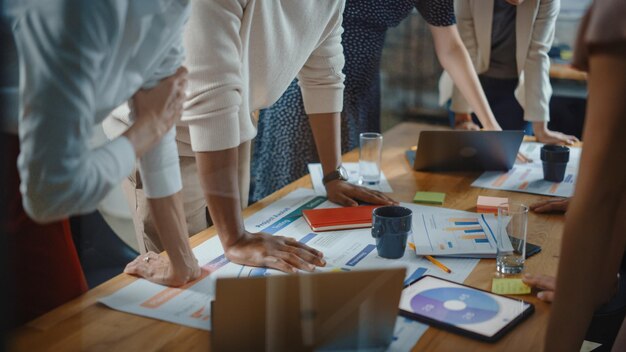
(448, 232)
(528, 177)
(317, 174)
(343, 251)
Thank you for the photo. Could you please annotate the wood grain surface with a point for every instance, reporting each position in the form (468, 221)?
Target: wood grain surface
(85, 325)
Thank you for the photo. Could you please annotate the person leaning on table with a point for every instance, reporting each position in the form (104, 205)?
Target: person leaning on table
(594, 238)
(78, 61)
(365, 23)
(242, 55)
(508, 41)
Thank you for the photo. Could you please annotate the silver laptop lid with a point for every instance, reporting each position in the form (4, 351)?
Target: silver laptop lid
(320, 311)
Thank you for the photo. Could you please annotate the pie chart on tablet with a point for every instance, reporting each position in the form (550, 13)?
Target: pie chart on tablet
(455, 305)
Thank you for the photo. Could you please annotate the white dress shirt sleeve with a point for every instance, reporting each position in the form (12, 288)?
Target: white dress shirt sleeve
(159, 167)
(60, 175)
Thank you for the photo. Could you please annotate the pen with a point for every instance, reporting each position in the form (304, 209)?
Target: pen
(439, 264)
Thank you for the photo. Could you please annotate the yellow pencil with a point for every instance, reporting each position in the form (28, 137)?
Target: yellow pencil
(439, 264)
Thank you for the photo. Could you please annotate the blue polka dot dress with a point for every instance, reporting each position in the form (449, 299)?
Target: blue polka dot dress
(284, 144)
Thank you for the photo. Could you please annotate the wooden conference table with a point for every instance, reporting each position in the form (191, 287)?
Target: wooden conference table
(84, 324)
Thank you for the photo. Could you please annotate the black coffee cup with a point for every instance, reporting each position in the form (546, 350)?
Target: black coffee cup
(391, 226)
(554, 158)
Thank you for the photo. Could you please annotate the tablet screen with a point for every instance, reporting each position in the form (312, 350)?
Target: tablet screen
(462, 306)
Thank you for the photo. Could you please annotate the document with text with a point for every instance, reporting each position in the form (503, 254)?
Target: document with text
(317, 174)
(528, 177)
(343, 251)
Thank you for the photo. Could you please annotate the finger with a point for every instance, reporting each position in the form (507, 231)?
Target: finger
(295, 261)
(382, 196)
(292, 242)
(181, 72)
(279, 264)
(538, 204)
(543, 282)
(550, 207)
(305, 254)
(521, 158)
(345, 201)
(366, 195)
(542, 209)
(131, 267)
(546, 296)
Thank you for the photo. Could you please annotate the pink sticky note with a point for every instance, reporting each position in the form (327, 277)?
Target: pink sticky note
(490, 204)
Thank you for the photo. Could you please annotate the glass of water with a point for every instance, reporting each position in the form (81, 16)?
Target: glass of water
(511, 237)
(370, 152)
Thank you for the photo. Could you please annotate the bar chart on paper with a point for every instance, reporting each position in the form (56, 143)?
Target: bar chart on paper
(447, 234)
(528, 178)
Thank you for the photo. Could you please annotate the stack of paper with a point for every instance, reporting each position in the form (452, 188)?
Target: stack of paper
(528, 177)
(486, 204)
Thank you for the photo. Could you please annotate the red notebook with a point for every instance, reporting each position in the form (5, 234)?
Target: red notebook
(330, 219)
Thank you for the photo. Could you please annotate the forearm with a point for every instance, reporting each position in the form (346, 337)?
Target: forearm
(169, 220)
(456, 61)
(460, 68)
(218, 173)
(327, 134)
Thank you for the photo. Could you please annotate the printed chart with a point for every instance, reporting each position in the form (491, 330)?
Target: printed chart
(344, 251)
(528, 177)
(446, 232)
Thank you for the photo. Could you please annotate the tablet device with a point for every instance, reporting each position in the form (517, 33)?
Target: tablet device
(467, 150)
(462, 309)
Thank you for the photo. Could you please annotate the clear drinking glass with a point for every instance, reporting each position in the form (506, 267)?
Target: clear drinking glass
(371, 147)
(511, 237)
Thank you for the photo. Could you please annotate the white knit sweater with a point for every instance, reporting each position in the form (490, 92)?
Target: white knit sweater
(243, 54)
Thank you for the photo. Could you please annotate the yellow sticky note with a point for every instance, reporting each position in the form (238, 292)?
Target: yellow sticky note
(509, 287)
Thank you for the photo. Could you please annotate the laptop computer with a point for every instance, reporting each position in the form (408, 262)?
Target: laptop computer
(467, 150)
(319, 311)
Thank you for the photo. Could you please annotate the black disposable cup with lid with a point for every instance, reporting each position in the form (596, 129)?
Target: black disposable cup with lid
(554, 158)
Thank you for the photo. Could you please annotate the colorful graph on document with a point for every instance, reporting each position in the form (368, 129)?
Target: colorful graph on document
(444, 234)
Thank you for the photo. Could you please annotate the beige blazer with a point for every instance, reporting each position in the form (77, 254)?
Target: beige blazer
(534, 31)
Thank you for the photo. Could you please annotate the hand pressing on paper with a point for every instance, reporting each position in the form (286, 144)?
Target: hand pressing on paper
(546, 284)
(551, 206)
(156, 110)
(347, 194)
(158, 269)
(544, 135)
(464, 122)
(276, 252)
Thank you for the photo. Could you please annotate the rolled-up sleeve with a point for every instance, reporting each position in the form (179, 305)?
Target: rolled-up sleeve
(60, 175)
(321, 78)
(213, 58)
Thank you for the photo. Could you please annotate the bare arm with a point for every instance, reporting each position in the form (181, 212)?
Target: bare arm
(456, 61)
(181, 265)
(218, 173)
(327, 133)
(594, 240)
